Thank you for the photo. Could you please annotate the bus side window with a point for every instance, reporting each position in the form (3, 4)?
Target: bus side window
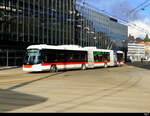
(60, 58)
(108, 57)
(51, 57)
(104, 57)
(45, 59)
(69, 57)
(99, 58)
(83, 57)
(77, 57)
(96, 58)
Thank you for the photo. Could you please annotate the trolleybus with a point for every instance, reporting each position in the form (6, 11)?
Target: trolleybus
(54, 58)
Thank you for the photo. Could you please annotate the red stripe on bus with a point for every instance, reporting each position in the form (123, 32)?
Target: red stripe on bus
(27, 66)
(71, 63)
(120, 61)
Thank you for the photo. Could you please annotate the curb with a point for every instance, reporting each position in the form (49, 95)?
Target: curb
(8, 68)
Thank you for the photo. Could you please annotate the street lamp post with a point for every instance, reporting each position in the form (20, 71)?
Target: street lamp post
(125, 49)
(95, 40)
(79, 27)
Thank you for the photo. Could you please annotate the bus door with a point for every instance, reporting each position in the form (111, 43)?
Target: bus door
(112, 58)
(115, 57)
(90, 59)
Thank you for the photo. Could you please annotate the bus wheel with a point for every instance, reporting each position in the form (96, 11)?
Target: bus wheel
(53, 68)
(83, 67)
(105, 65)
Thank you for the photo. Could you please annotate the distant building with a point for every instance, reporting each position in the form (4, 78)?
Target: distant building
(131, 38)
(139, 40)
(136, 51)
(147, 50)
(134, 40)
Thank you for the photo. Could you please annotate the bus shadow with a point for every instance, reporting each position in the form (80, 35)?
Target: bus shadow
(11, 100)
(144, 65)
(41, 72)
(68, 70)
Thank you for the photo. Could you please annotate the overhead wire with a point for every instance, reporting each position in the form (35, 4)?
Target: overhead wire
(141, 8)
(138, 6)
(124, 21)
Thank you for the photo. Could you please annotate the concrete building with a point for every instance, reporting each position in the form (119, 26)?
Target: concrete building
(136, 51)
(147, 50)
(54, 22)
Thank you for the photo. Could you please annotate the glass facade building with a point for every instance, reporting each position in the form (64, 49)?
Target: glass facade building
(96, 29)
(27, 22)
(37, 21)
(53, 22)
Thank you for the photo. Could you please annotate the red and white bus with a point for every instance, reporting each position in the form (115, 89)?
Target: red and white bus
(54, 58)
(120, 58)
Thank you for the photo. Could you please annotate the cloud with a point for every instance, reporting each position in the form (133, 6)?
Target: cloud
(141, 28)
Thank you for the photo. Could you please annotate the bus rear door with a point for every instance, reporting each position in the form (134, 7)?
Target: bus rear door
(90, 59)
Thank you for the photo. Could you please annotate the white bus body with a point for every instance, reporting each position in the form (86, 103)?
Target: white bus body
(47, 57)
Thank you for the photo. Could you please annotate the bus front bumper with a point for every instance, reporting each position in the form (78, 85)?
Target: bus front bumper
(34, 68)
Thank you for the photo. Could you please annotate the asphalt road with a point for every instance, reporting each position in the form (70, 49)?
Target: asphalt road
(117, 89)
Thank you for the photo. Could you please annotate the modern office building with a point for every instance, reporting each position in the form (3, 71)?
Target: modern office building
(97, 29)
(26, 22)
(53, 22)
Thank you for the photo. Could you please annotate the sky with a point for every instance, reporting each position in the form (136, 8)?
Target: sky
(138, 20)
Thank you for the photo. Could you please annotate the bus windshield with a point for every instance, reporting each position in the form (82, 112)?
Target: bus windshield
(32, 57)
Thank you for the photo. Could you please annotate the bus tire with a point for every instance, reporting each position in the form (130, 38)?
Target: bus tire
(105, 65)
(83, 67)
(53, 68)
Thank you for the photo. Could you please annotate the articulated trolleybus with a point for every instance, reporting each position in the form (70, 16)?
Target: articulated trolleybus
(54, 58)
